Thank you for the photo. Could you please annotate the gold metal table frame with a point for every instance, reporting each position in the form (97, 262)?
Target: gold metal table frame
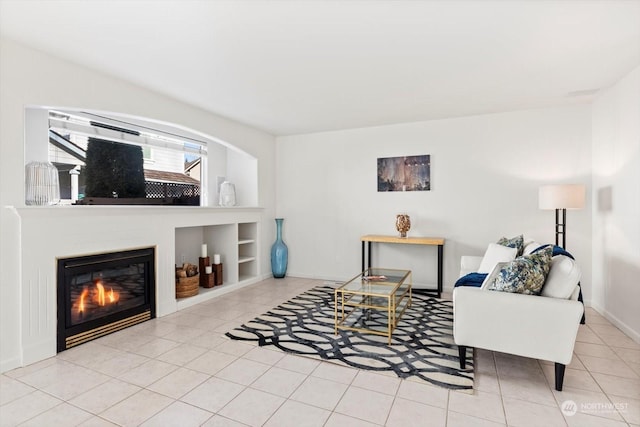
(375, 289)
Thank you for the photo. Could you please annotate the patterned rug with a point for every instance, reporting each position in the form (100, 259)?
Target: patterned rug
(422, 346)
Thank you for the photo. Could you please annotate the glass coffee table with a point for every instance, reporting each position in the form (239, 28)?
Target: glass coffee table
(373, 301)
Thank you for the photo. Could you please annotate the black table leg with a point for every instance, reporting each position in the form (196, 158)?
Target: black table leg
(369, 253)
(440, 261)
(362, 269)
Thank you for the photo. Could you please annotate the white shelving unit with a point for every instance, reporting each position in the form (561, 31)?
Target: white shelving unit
(247, 251)
(237, 244)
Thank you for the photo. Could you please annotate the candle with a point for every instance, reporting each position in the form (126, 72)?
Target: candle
(208, 269)
(216, 258)
(203, 251)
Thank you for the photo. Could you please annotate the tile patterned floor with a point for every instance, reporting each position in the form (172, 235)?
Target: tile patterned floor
(180, 370)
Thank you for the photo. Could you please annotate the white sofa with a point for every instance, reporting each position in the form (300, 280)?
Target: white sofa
(542, 327)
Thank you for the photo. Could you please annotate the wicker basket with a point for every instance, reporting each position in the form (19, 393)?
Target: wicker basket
(187, 286)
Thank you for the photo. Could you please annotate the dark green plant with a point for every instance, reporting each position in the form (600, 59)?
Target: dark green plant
(114, 169)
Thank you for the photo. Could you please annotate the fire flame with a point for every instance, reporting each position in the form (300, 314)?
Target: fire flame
(100, 296)
(83, 295)
(103, 295)
(100, 293)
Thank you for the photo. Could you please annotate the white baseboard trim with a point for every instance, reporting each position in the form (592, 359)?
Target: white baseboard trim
(38, 351)
(9, 364)
(317, 277)
(336, 279)
(634, 335)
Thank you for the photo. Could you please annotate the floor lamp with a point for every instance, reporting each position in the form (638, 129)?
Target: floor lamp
(561, 198)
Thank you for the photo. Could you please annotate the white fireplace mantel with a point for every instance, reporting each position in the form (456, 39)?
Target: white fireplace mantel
(48, 233)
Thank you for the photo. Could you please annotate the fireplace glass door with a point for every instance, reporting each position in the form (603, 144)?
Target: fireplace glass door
(99, 294)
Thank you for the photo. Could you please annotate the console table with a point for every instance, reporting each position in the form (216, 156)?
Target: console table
(429, 241)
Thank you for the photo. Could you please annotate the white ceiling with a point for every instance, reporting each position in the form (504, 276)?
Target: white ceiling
(292, 67)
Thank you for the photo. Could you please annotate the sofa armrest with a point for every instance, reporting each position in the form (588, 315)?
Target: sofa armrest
(469, 264)
(525, 325)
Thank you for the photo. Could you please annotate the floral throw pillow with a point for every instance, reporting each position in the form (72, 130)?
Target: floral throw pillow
(525, 274)
(514, 242)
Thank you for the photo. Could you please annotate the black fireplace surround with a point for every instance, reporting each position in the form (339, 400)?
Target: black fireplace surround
(104, 293)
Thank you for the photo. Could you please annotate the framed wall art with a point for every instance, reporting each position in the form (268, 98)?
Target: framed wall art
(411, 173)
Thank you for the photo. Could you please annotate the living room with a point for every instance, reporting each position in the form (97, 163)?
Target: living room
(557, 103)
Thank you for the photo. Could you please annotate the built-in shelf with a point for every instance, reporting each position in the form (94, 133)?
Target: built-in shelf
(206, 294)
(247, 250)
(237, 245)
(246, 279)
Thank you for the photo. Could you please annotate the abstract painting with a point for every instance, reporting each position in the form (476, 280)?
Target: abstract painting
(412, 173)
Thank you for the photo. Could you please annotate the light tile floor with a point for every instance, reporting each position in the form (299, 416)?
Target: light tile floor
(180, 370)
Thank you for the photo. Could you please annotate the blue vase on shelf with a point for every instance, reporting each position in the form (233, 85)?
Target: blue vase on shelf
(279, 253)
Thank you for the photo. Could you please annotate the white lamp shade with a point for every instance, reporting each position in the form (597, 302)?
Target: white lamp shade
(566, 196)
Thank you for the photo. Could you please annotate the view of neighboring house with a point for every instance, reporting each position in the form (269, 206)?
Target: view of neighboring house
(167, 173)
(192, 169)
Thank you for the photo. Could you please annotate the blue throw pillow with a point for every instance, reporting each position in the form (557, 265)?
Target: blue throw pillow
(524, 275)
(514, 242)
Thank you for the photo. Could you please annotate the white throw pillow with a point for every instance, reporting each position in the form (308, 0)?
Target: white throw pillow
(530, 247)
(496, 253)
(562, 279)
(492, 276)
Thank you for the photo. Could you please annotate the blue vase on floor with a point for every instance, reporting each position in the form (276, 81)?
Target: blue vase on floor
(279, 253)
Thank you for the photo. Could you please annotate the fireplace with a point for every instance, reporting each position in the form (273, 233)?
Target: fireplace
(104, 293)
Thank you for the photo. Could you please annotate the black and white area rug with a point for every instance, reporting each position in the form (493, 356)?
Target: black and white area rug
(422, 346)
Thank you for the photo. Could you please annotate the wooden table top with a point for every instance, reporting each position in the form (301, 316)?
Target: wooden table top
(405, 240)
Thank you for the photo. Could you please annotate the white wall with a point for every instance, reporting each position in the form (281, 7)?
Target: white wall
(616, 203)
(29, 77)
(485, 173)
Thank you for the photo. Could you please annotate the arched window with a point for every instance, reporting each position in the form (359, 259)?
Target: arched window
(104, 158)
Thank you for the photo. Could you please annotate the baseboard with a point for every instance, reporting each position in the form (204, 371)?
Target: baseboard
(31, 354)
(38, 351)
(344, 279)
(634, 335)
(9, 364)
(317, 277)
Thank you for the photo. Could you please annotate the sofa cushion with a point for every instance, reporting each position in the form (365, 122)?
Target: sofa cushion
(525, 274)
(494, 273)
(562, 279)
(469, 264)
(494, 254)
(530, 247)
(514, 242)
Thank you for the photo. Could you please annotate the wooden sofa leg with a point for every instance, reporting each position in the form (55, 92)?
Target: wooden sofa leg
(462, 355)
(559, 376)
